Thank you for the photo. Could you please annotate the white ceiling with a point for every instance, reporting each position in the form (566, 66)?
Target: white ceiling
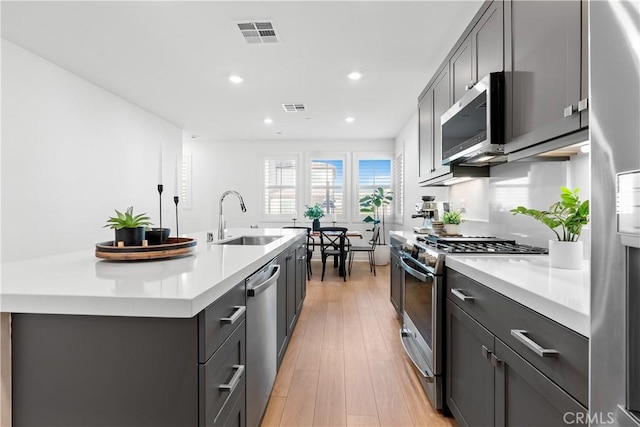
(174, 59)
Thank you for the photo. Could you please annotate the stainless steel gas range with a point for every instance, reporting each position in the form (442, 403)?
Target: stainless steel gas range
(423, 314)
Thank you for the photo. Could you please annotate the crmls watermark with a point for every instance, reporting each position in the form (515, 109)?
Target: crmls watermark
(582, 418)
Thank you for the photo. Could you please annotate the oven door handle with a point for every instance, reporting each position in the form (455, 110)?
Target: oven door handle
(415, 273)
(424, 369)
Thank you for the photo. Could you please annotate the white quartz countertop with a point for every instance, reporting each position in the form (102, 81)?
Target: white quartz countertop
(559, 294)
(80, 283)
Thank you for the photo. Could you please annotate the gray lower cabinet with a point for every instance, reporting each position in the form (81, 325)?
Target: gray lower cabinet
(72, 370)
(396, 275)
(544, 85)
(291, 291)
(495, 379)
(469, 384)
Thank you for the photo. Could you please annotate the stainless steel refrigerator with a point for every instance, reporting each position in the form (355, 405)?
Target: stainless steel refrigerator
(614, 387)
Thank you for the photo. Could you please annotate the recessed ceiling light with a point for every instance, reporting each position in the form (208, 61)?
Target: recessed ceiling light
(268, 121)
(235, 79)
(349, 120)
(354, 75)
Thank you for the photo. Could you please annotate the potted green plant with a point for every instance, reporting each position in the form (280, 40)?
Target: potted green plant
(452, 220)
(129, 228)
(374, 204)
(314, 212)
(566, 219)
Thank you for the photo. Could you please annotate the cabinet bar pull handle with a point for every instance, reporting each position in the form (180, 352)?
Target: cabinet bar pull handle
(302, 258)
(583, 104)
(239, 311)
(485, 352)
(462, 297)
(568, 111)
(495, 361)
(231, 385)
(519, 334)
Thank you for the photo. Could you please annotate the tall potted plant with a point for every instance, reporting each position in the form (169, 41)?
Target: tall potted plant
(129, 228)
(374, 204)
(566, 219)
(314, 212)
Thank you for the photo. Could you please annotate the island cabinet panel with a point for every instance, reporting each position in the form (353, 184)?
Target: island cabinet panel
(546, 71)
(292, 285)
(508, 365)
(73, 370)
(104, 371)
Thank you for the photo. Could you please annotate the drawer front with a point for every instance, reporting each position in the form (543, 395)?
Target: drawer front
(223, 379)
(216, 322)
(566, 359)
(236, 416)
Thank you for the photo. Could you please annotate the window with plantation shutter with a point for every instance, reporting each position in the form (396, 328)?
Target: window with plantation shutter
(279, 186)
(374, 173)
(398, 188)
(327, 185)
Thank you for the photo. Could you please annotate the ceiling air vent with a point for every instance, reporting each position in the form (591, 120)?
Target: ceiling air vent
(258, 32)
(294, 108)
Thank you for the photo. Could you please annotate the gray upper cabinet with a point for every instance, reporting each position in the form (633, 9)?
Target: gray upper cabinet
(488, 42)
(441, 103)
(462, 75)
(481, 52)
(433, 103)
(583, 105)
(545, 85)
(425, 136)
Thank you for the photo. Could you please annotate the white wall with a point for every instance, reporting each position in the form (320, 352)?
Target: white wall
(71, 154)
(218, 166)
(407, 143)
(535, 185)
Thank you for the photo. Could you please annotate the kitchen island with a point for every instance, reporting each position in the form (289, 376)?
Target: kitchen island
(137, 343)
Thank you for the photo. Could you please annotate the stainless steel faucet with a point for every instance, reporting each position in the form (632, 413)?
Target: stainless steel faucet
(221, 221)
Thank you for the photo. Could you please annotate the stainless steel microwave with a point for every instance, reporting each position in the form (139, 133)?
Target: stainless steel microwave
(473, 128)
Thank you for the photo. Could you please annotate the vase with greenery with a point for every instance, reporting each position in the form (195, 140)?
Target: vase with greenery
(314, 212)
(129, 228)
(374, 204)
(566, 219)
(452, 220)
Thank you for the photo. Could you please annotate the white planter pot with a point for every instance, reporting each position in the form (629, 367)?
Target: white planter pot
(451, 228)
(381, 255)
(567, 255)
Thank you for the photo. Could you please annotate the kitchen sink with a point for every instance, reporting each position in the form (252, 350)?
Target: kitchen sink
(250, 240)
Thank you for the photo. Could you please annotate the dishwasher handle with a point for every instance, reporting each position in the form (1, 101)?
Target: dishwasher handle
(275, 273)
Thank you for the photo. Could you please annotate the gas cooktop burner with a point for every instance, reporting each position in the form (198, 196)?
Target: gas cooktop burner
(478, 245)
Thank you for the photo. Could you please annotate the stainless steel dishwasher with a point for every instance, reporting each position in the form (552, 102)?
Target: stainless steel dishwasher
(261, 339)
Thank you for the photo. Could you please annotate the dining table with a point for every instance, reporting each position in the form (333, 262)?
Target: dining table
(315, 241)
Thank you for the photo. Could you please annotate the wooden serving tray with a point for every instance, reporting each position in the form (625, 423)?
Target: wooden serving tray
(174, 247)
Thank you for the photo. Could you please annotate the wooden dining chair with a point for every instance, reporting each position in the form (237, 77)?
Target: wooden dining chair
(310, 244)
(333, 243)
(370, 249)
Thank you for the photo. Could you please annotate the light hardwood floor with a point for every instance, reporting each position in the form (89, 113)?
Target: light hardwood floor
(345, 365)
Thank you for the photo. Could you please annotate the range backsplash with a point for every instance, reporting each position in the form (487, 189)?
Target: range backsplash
(534, 184)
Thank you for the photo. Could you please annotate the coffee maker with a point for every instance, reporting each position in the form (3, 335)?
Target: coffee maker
(430, 211)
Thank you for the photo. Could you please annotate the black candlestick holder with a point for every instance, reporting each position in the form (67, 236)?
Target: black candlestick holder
(160, 188)
(176, 199)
